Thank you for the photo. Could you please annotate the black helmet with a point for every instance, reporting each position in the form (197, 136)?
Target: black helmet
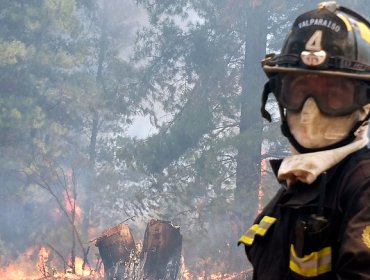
(330, 40)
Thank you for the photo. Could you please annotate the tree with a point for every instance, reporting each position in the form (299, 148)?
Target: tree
(194, 72)
(64, 99)
(40, 54)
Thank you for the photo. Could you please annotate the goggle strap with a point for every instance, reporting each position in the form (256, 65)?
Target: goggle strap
(265, 94)
(354, 14)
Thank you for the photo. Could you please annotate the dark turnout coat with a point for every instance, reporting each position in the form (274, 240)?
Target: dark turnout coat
(317, 231)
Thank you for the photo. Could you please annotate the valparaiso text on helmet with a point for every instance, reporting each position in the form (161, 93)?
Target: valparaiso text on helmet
(330, 40)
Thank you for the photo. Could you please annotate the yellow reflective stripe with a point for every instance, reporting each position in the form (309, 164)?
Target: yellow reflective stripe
(257, 229)
(311, 265)
(265, 224)
(364, 31)
(268, 219)
(309, 272)
(246, 240)
(346, 21)
(248, 237)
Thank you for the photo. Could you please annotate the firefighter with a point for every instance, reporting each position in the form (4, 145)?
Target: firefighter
(318, 224)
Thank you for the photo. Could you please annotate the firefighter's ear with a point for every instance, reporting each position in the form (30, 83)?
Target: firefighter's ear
(365, 111)
(367, 108)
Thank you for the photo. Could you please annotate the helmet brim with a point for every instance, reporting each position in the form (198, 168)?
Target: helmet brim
(277, 69)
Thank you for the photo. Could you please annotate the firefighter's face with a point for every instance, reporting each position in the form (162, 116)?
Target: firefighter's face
(312, 127)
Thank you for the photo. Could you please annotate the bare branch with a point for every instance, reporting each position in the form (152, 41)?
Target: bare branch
(59, 255)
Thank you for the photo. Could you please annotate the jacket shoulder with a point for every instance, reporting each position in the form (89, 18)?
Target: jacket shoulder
(355, 172)
(359, 164)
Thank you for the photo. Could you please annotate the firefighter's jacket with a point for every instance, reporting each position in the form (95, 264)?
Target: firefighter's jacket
(317, 231)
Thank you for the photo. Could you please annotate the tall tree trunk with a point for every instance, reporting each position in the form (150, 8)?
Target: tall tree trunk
(93, 138)
(99, 83)
(249, 147)
(96, 118)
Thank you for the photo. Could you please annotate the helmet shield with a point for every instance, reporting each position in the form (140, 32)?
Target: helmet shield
(320, 30)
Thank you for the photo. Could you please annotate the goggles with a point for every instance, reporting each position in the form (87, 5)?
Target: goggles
(334, 96)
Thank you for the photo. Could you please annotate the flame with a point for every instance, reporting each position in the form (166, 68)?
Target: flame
(264, 166)
(93, 231)
(22, 268)
(186, 274)
(216, 276)
(80, 270)
(56, 213)
(69, 203)
(12, 272)
(35, 263)
(42, 261)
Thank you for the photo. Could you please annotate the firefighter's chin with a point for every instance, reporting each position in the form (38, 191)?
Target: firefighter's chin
(312, 129)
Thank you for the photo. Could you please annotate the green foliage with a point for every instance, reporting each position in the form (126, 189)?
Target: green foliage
(11, 52)
(50, 95)
(158, 151)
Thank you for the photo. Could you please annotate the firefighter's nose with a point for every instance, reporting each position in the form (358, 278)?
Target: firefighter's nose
(309, 111)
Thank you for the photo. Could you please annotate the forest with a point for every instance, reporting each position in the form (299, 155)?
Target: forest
(123, 111)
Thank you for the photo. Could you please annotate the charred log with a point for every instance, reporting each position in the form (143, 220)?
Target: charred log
(161, 251)
(115, 247)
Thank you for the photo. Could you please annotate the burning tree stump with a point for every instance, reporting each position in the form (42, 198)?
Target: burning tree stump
(161, 252)
(115, 246)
